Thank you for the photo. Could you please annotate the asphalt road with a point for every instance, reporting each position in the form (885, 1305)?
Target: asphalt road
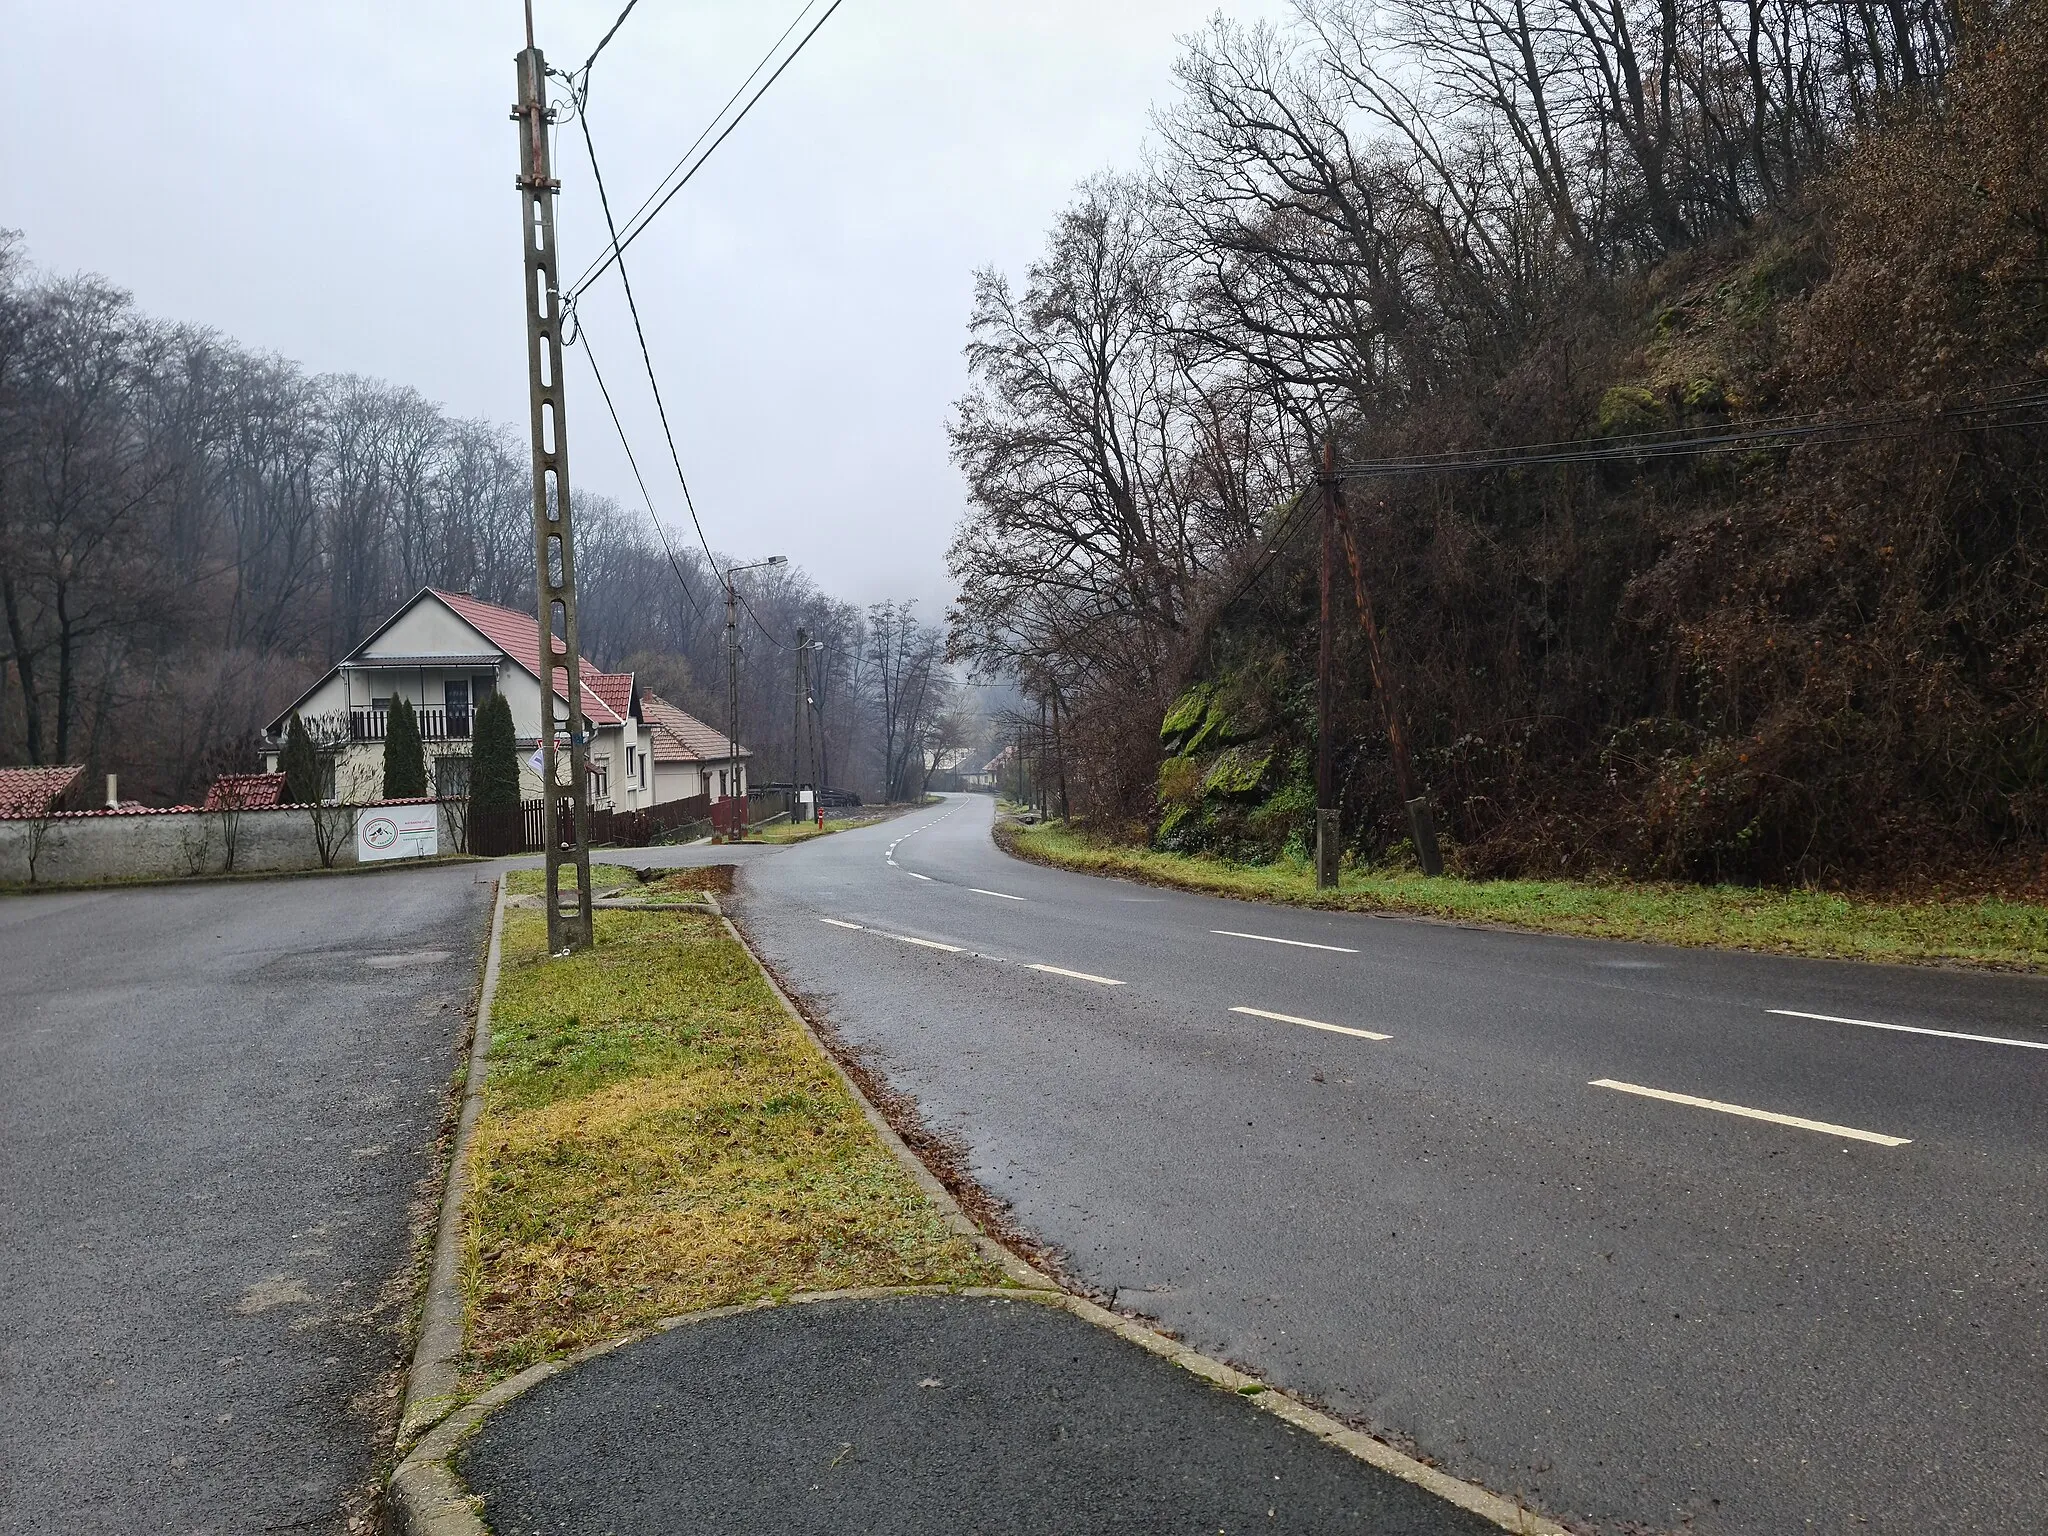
(216, 1103)
(916, 1417)
(1477, 1235)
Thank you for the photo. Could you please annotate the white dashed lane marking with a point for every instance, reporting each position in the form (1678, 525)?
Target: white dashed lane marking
(977, 890)
(1795, 1121)
(1267, 938)
(1909, 1029)
(836, 923)
(1335, 1029)
(1060, 970)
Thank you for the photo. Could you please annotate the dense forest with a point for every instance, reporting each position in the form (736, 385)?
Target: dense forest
(190, 533)
(1414, 229)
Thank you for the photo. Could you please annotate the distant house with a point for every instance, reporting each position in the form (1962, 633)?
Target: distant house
(446, 652)
(690, 758)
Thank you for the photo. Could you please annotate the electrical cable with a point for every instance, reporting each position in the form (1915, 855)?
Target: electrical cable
(652, 516)
(1714, 439)
(590, 147)
(640, 220)
(585, 70)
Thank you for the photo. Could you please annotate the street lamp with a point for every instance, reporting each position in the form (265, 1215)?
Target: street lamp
(732, 678)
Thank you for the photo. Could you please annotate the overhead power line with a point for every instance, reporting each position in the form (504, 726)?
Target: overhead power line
(633, 307)
(1707, 440)
(610, 33)
(687, 168)
(654, 517)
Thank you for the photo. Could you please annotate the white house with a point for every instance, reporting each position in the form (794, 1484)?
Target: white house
(446, 652)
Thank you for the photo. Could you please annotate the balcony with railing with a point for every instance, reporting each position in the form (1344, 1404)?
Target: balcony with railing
(437, 723)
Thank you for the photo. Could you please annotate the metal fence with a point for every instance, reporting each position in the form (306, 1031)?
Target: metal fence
(494, 833)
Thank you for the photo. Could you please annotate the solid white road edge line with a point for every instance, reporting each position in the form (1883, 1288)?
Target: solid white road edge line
(1908, 1029)
(904, 938)
(977, 890)
(915, 875)
(1335, 1029)
(836, 923)
(1267, 938)
(1056, 970)
(1752, 1114)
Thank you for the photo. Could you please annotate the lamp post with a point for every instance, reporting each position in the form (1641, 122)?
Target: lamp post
(805, 645)
(732, 681)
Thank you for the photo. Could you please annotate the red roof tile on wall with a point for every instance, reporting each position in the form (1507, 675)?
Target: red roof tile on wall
(33, 791)
(245, 792)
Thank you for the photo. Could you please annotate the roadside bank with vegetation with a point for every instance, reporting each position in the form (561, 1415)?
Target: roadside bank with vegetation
(1824, 924)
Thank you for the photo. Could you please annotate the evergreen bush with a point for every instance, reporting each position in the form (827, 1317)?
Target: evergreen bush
(405, 757)
(494, 758)
(301, 764)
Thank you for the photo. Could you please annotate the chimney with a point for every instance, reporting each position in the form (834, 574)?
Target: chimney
(113, 794)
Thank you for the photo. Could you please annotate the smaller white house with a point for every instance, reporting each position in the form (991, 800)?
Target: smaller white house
(446, 652)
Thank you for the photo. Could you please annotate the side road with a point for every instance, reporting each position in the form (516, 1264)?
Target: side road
(217, 1105)
(657, 1125)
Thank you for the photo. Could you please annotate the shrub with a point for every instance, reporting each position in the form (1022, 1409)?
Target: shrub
(405, 758)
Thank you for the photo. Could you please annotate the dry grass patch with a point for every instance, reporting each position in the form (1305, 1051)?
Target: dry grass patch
(2009, 934)
(657, 1137)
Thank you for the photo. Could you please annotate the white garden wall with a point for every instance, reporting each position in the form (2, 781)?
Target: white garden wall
(92, 846)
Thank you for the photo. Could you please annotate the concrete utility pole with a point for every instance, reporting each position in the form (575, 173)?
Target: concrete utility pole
(1328, 829)
(732, 684)
(554, 541)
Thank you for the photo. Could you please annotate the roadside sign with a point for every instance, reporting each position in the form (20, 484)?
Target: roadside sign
(397, 832)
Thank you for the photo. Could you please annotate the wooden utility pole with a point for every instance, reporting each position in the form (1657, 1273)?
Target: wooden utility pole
(554, 540)
(1421, 824)
(1328, 822)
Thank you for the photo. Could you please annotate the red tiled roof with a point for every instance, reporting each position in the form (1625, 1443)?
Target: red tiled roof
(680, 737)
(34, 791)
(615, 688)
(245, 792)
(518, 636)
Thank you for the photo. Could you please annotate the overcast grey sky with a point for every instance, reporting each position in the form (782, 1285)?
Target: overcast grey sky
(334, 182)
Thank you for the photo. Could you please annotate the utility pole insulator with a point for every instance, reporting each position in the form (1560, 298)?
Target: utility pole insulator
(554, 541)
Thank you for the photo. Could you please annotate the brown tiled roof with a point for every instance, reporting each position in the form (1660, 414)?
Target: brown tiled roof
(518, 636)
(681, 737)
(33, 791)
(245, 792)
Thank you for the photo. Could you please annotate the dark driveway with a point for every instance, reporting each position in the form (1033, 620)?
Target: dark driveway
(216, 1103)
(917, 1416)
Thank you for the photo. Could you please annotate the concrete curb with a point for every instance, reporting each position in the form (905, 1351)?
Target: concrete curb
(431, 1384)
(428, 1499)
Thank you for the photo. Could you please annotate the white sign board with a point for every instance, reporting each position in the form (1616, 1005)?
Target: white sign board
(803, 797)
(396, 832)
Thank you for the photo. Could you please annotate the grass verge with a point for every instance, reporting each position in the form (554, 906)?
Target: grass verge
(1992, 932)
(658, 1135)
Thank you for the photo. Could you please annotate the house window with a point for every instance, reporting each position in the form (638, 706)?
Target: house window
(721, 783)
(327, 778)
(481, 687)
(629, 762)
(451, 777)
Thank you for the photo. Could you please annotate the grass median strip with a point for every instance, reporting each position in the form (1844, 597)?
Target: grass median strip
(659, 1136)
(1987, 931)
